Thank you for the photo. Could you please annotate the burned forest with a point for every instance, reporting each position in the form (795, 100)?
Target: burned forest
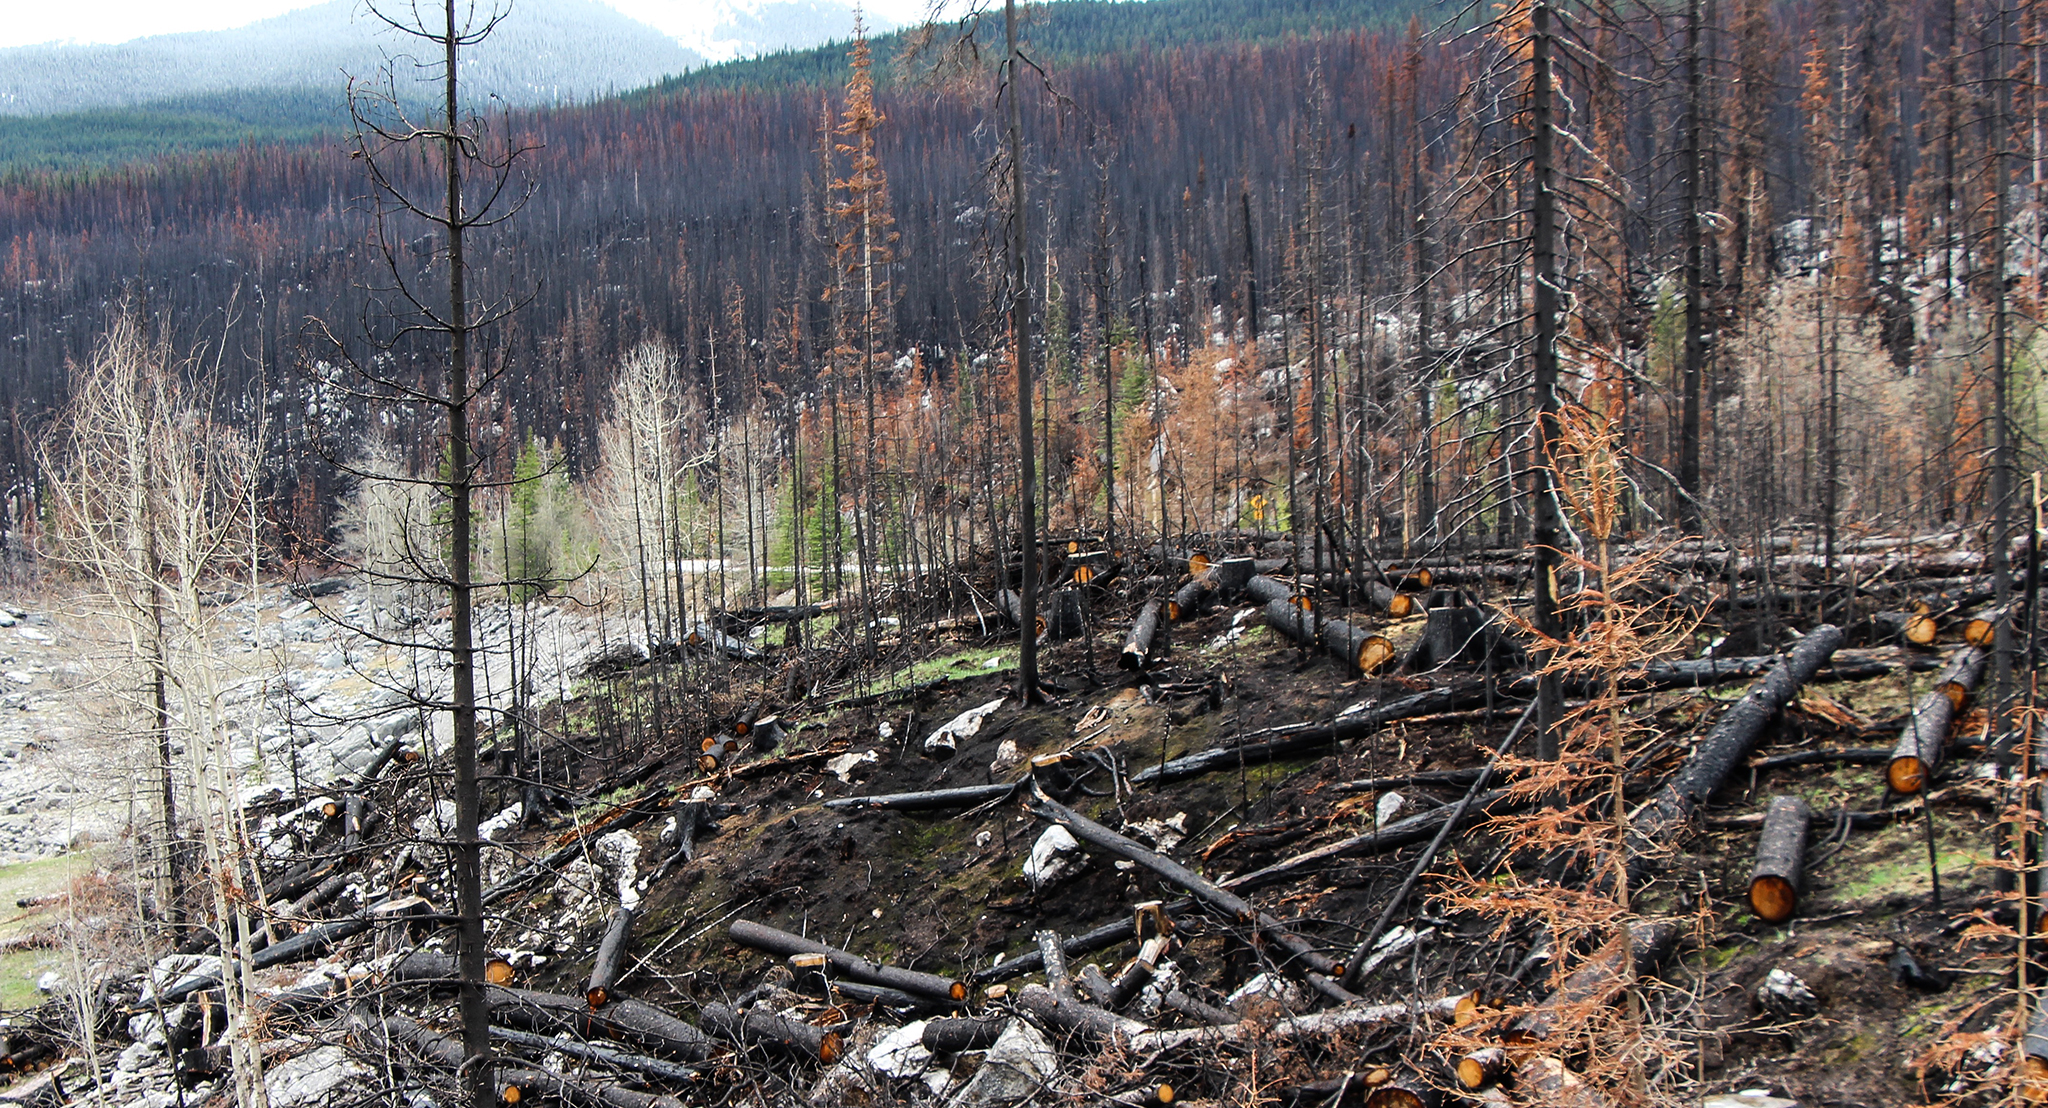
(1318, 555)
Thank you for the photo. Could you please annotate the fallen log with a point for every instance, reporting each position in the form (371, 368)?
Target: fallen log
(1483, 1067)
(1924, 742)
(1551, 1084)
(1640, 952)
(1300, 739)
(783, 944)
(1265, 590)
(514, 1082)
(955, 1034)
(1349, 1018)
(963, 796)
(1190, 599)
(302, 908)
(760, 1028)
(1981, 631)
(1303, 958)
(632, 1021)
(1728, 744)
(1088, 942)
(1780, 873)
(1072, 1016)
(1360, 649)
(611, 952)
(1404, 1090)
(310, 943)
(593, 1052)
(1137, 649)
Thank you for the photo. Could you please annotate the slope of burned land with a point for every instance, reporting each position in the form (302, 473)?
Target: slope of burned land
(1868, 994)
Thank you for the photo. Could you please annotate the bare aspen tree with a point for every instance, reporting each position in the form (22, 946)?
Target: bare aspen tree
(156, 494)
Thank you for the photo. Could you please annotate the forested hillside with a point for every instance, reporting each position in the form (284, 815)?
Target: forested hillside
(702, 219)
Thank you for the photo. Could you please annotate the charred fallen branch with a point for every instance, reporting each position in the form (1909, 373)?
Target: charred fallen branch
(1640, 951)
(1302, 956)
(783, 944)
(1350, 1018)
(515, 1082)
(929, 800)
(644, 1025)
(1088, 942)
(759, 1028)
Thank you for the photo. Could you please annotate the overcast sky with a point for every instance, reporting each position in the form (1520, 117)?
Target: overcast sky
(121, 20)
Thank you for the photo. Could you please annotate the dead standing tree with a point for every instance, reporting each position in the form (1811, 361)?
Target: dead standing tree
(1536, 63)
(473, 191)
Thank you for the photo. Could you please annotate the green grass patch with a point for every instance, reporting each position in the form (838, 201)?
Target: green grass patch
(19, 970)
(42, 877)
(967, 663)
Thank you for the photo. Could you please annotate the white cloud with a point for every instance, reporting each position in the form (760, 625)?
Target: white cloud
(121, 20)
(106, 21)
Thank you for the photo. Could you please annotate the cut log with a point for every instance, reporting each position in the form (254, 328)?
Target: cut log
(1302, 956)
(964, 796)
(1727, 744)
(1775, 884)
(1092, 567)
(1137, 649)
(1545, 1080)
(1264, 590)
(1982, 630)
(783, 944)
(310, 943)
(1961, 675)
(954, 1034)
(1404, 1090)
(1359, 648)
(320, 894)
(515, 1082)
(1073, 1016)
(1924, 742)
(759, 1028)
(632, 1021)
(592, 1052)
(1088, 942)
(1349, 1019)
(1640, 952)
(1191, 599)
(604, 970)
(1483, 1067)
